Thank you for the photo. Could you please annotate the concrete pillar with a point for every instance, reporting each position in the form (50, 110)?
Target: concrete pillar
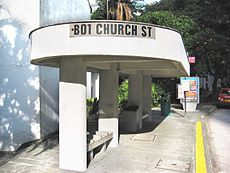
(108, 103)
(147, 100)
(95, 85)
(72, 117)
(135, 96)
(89, 84)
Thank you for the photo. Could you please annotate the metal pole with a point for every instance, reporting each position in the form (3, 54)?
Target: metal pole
(185, 101)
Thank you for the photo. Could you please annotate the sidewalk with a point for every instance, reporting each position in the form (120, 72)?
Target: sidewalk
(166, 144)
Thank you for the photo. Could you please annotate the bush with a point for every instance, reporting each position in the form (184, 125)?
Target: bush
(158, 95)
(123, 94)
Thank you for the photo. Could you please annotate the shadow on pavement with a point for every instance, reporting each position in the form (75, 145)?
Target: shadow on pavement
(148, 124)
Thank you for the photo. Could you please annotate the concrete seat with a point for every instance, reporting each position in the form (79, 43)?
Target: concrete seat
(99, 139)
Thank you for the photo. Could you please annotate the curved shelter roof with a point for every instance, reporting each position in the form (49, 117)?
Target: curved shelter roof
(155, 50)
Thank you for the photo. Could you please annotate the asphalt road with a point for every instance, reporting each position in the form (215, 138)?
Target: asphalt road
(219, 133)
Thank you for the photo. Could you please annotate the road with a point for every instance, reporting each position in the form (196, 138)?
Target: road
(219, 133)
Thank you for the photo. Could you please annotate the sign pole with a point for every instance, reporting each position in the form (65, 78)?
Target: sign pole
(185, 101)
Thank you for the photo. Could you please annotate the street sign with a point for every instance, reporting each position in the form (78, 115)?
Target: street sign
(185, 85)
(180, 92)
(192, 59)
(191, 86)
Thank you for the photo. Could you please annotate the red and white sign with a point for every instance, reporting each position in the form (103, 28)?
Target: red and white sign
(192, 59)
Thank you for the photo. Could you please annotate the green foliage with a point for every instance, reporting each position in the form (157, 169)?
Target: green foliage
(100, 13)
(185, 25)
(209, 37)
(92, 106)
(159, 94)
(89, 103)
(155, 90)
(123, 93)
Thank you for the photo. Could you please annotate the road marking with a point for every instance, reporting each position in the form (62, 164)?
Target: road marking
(200, 156)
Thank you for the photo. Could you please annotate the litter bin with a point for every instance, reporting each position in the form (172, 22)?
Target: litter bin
(165, 107)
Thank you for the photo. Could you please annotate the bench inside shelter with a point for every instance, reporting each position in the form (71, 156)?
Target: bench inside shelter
(97, 142)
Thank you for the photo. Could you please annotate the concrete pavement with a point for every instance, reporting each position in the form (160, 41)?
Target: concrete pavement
(166, 144)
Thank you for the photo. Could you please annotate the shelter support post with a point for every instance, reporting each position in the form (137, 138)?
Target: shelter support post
(108, 103)
(72, 115)
(135, 95)
(147, 98)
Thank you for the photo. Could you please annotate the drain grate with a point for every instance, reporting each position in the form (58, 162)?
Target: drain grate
(143, 138)
(173, 165)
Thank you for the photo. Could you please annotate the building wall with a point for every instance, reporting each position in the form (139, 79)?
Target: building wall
(52, 12)
(19, 80)
(49, 98)
(61, 11)
(29, 95)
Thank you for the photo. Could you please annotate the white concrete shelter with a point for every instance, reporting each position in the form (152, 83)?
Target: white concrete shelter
(108, 47)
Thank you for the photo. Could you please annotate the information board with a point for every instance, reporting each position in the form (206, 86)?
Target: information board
(192, 93)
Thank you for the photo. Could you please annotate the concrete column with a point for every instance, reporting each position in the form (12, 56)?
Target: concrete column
(89, 84)
(135, 96)
(147, 100)
(95, 85)
(72, 117)
(108, 103)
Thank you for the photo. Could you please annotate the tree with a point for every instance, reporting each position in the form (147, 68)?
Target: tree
(113, 10)
(101, 12)
(183, 24)
(210, 42)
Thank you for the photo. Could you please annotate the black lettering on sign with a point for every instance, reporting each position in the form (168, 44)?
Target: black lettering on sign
(76, 29)
(149, 31)
(83, 29)
(134, 29)
(120, 29)
(144, 31)
(98, 29)
(106, 28)
(127, 29)
(112, 29)
(90, 28)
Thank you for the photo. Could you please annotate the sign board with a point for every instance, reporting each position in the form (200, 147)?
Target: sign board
(180, 91)
(185, 85)
(192, 86)
(192, 59)
(112, 29)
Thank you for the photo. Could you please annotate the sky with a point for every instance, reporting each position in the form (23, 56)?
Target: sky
(151, 1)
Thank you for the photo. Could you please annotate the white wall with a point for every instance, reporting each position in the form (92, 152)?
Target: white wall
(19, 80)
(49, 98)
(61, 11)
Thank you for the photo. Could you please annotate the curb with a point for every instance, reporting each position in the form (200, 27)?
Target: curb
(205, 115)
(210, 161)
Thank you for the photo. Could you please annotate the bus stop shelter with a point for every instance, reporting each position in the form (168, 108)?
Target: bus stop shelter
(109, 47)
